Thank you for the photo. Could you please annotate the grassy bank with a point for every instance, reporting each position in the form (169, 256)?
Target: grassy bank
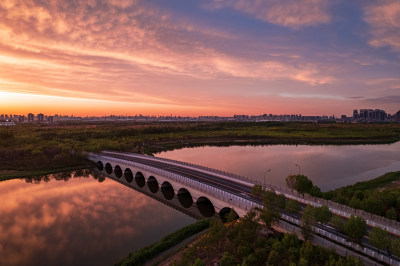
(12, 174)
(32, 147)
(147, 253)
(379, 196)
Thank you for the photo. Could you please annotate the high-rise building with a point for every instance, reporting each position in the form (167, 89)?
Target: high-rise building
(40, 117)
(372, 115)
(30, 117)
(355, 114)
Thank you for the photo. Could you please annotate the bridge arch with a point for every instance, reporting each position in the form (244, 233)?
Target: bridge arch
(185, 198)
(140, 181)
(152, 183)
(100, 166)
(167, 190)
(224, 212)
(108, 168)
(205, 206)
(118, 171)
(128, 175)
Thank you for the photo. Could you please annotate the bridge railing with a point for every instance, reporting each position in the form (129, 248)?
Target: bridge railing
(227, 197)
(212, 170)
(390, 225)
(247, 205)
(340, 243)
(374, 220)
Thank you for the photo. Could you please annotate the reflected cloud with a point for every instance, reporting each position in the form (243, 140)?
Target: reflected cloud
(95, 223)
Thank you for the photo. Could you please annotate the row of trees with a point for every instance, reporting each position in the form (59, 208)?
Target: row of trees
(364, 195)
(242, 243)
(355, 228)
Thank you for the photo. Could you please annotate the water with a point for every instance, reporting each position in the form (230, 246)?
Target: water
(328, 166)
(78, 222)
(64, 220)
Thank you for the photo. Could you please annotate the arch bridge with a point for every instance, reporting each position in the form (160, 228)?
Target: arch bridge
(212, 192)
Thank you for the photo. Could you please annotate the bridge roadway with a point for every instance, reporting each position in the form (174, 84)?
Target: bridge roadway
(239, 187)
(210, 179)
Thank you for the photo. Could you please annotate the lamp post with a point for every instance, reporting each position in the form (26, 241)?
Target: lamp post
(265, 174)
(299, 167)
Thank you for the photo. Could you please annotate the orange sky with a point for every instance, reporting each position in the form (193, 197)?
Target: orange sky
(214, 57)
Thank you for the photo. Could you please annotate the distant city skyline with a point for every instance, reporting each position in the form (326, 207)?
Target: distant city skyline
(358, 116)
(192, 58)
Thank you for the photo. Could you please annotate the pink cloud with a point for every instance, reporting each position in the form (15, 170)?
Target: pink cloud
(289, 13)
(384, 20)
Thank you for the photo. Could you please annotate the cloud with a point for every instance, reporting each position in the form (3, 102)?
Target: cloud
(124, 51)
(391, 99)
(288, 13)
(384, 20)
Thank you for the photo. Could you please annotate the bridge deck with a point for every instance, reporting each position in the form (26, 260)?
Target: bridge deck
(242, 189)
(229, 185)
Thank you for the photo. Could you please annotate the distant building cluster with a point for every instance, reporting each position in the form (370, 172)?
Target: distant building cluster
(370, 115)
(359, 116)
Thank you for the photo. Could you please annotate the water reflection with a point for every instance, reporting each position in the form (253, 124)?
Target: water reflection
(88, 220)
(329, 167)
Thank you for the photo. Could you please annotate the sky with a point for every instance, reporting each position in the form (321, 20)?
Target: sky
(210, 57)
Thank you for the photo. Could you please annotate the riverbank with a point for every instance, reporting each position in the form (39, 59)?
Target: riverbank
(33, 149)
(380, 196)
(140, 257)
(13, 174)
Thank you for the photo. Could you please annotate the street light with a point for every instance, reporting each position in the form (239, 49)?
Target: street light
(266, 172)
(299, 167)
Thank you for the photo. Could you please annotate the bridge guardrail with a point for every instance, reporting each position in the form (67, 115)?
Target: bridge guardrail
(234, 200)
(248, 205)
(391, 226)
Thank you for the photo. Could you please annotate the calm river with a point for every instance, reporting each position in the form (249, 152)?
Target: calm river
(328, 166)
(78, 222)
(67, 220)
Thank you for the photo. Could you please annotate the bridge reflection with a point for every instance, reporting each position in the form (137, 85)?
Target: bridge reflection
(164, 193)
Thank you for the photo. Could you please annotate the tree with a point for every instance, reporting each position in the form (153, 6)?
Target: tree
(302, 184)
(307, 222)
(290, 180)
(355, 228)
(198, 262)
(395, 246)
(292, 206)
(273, 203)
(231, 216)
(227, 259)
(391, 213)
(315, 192)
(256, 191)
(338, 223)
(379, 238)
(322, 214)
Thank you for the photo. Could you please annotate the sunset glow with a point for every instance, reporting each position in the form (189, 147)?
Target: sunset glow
(213, 57)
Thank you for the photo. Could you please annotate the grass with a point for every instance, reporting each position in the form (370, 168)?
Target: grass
(34, 147)
(13, 174)
(141, 256)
